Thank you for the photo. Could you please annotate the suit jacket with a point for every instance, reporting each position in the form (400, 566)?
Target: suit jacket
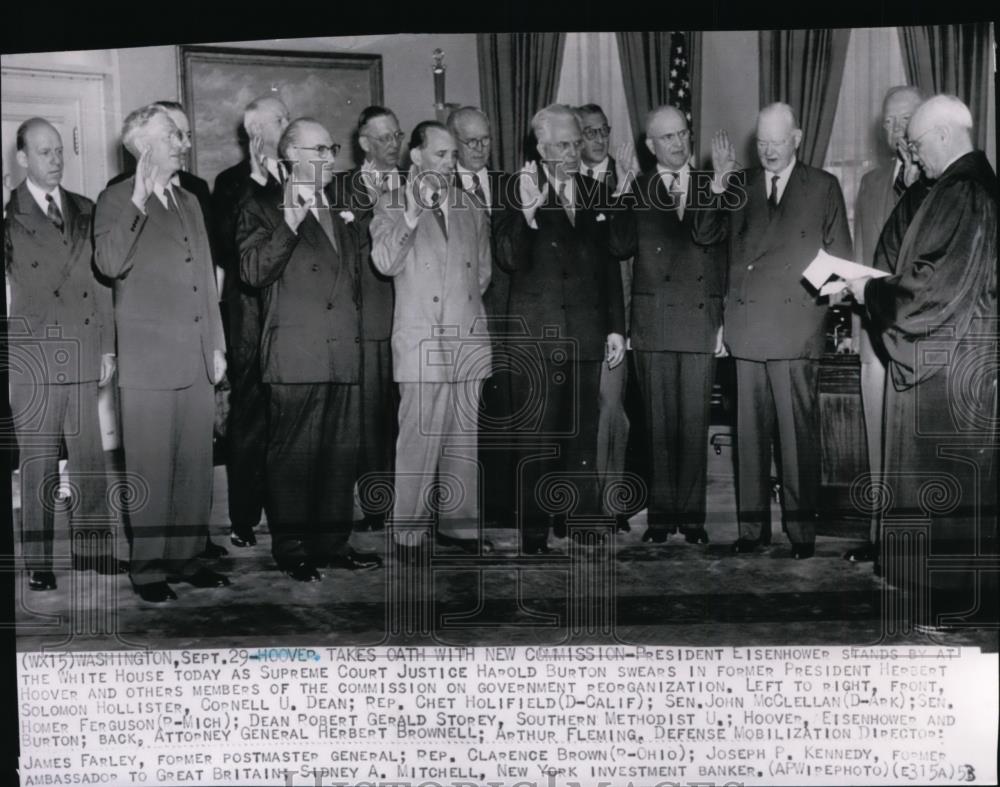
(770, 313)
(166, 300)
(439, 331)
(310, 297)
(565, 276)
(875, 201)
(349, 193)
(57, 303)
(677, 284)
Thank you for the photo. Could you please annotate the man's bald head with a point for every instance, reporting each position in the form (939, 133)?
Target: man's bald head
(266, 117)
(40, 152)
(778, 136)
(898, 106)
(668, 137)
(940, 131)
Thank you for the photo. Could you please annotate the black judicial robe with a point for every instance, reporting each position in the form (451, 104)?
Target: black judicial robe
(937, 314)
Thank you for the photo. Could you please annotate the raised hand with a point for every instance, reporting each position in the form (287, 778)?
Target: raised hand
(294, 212)
(911, 169)
(145, 177)
(626, 163)
(415, 201)
(256, 150)
(531, 195)
(723, 156)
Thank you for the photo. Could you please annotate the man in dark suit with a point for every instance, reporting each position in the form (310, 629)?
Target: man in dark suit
(62, 349)
(434, 240)
(566, 286)
(677, 294)
(775, 219)
(150, 239)
(264, 120)
(305, 257)
(878, 194)
(358, 191)
(496, 192)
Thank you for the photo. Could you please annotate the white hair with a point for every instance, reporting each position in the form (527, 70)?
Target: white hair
(780, 108)
(950, 110)
(134, 127)
(543, 118)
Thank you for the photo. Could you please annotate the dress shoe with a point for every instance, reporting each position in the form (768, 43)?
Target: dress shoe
(862, 554)
(242, 537)
(745, 546)
(213, 551)
(696, 535)
(621, 524)
(42, 580)
(803, 551)
(303, 572)
(355, 561)
(658, 535)
(203, 578)
(536, 546)
(155, 592)
(471, 546)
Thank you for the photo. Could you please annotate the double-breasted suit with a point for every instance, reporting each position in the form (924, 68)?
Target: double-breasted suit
(169, 330)
(379, 396)
(246, 430)
(60, 324)
(566, 287)
(677, 291)
(775, 329)
(441, 354)
(310, 356)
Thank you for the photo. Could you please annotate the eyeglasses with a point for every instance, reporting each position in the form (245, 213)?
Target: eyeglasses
(476, 143)
(764, 144)
(321, 150)
(674, 136)
(593, 133)
(388, 138)
(566, 147)
(913, 145)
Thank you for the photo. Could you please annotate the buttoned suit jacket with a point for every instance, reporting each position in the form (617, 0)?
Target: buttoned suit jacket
(310, 298)
(349, 193)
(770, 312)
(439, 331)
(677, 284)
(564, 276)
(166, 300)
(60, 314)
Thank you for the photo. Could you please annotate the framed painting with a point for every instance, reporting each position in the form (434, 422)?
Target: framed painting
(219, 82)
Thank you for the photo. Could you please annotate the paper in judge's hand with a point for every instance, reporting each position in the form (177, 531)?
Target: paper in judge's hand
(825, 266)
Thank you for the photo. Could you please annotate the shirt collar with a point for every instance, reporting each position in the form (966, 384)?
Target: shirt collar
(39, 195)
(597, 169)
(466, 174)
(683, 172)
(784, 174)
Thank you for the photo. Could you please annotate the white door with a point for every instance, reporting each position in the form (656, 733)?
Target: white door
(77, 105)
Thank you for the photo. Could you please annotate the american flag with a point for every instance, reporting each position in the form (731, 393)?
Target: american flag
(680, 77)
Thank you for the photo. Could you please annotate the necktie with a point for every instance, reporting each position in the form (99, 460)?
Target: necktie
(772, 199)
(565, 202)
(477, 188)
(325, 220)
(676, 195)
(899, 184)
(438, 213)
(53, 212)
(171, 201)
(590, 172)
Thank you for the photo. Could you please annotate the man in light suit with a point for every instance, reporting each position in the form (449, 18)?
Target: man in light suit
(435, 241)
(150, 239)
(775, 220)
(566, 285)
(358, 191)
(305, 258)
(62, 348)
(878, 194)
(264, 120)
(676, 319)
(495, 191)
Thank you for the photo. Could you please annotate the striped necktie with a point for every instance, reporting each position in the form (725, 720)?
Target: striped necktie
(54, 214)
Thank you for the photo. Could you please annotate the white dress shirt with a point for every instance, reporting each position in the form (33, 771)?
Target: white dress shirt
(782, 180)
(39, 195)
(597, 171)
(470, 186)
(271, 165)
(680, 185)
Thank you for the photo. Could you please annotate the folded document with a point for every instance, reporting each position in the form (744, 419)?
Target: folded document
(825, 266)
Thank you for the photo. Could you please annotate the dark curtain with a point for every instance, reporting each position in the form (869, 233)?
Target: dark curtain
(952, 59)
(646, 67)
(518, 75)
(804, 68)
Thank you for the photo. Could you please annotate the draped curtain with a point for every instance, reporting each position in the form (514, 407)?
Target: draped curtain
(646, 67)
(953, 59)
(804, 68)
(518, 75)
